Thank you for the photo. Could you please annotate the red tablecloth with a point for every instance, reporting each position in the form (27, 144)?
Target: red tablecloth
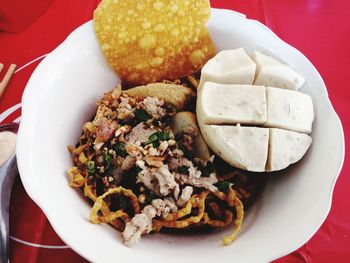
(318, 28)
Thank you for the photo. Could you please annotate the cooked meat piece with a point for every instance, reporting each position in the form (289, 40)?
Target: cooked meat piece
(153, 106)
(204, 182)
(142, 223)
(105, 130)
(139, 133)
(166, 182)
(185, 195)
(139, 224)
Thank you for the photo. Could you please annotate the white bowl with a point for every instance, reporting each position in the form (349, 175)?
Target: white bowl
(60, 96)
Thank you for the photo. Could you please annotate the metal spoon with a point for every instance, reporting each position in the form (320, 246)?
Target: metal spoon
(8, 172)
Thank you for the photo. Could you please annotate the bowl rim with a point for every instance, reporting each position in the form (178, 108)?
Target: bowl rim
(27, 100)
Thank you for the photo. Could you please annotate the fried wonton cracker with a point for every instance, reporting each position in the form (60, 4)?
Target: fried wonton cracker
(151, 40)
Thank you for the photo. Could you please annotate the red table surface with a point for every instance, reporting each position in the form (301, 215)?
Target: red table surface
(318, 28)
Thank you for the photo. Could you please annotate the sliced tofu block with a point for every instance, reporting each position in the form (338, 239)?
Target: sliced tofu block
(288, 109)
(242, 147)
(231, 104)
(271, 72)
(229, 66)
(285, 148)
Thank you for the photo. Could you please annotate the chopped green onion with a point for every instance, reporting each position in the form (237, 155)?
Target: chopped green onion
(152, 138)
(156, 144)
(120, 149)
(90, 167)
(163, 136)
(223, 186)
(108, 159)
(183, 169)
(142, 115)
(156, 137)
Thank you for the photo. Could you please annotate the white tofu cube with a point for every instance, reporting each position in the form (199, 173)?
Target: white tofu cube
(271, 72)
(228, 67)
(288, 109)
(242, 147)
(231, 104)
(285, 148)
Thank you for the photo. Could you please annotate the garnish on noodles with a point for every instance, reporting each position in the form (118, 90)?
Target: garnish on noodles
(143, 164)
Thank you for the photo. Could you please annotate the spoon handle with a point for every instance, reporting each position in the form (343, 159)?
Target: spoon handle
(8, 173)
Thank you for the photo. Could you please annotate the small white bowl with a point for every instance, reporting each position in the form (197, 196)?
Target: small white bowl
(60, 96)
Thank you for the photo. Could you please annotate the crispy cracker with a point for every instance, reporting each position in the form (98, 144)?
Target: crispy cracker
(151, 40)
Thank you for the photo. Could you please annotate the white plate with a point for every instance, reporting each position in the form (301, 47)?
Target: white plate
(60, 97)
